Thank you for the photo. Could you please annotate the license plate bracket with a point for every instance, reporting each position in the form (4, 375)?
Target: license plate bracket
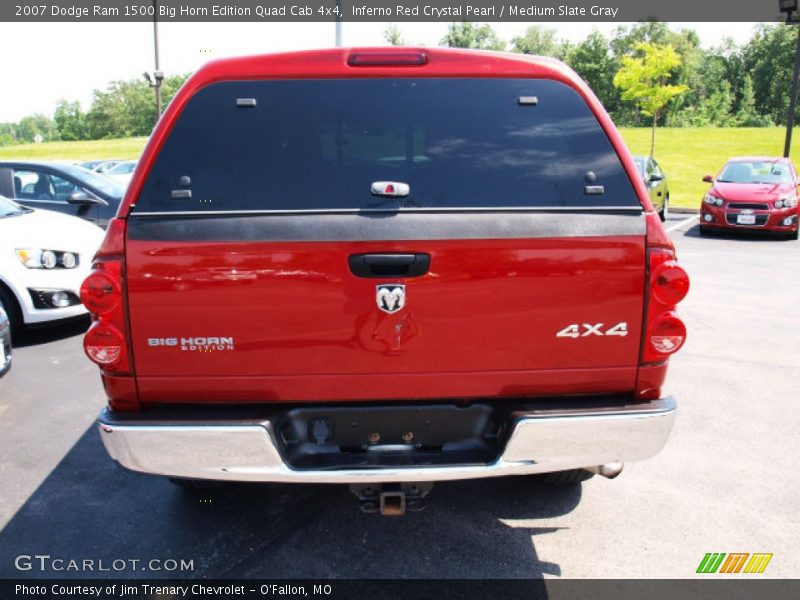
(370, 435)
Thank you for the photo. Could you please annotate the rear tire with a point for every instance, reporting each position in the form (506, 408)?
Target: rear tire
(663, 214)
(564, 478)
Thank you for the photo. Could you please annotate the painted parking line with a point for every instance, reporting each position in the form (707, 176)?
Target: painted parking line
(682, 223)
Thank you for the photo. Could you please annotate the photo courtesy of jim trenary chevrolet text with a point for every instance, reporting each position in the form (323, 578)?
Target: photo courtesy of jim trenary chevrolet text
(399, 299)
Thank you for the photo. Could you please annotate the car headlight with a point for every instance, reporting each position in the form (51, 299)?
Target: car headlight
(37, 258)
(49, 259)
(69, 260)
(712, 199)
(786, 202)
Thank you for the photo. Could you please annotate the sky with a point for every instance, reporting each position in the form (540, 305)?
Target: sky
(44, 62)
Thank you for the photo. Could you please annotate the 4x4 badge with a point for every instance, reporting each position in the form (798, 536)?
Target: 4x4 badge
(391, 297)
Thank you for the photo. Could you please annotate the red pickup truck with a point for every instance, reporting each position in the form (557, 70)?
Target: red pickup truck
(384, 267)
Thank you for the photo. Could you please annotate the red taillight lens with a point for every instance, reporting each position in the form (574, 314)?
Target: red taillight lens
(100, 293)
(113, 245)
(667, 334)
(669, 283)
(104, 344)
(664, 332)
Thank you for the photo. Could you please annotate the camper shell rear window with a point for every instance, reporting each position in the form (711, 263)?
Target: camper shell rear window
(319, 145)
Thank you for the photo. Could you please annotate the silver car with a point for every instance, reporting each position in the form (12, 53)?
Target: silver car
(5, 343)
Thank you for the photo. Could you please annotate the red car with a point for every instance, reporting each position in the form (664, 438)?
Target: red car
(758, 193)
(385, 267)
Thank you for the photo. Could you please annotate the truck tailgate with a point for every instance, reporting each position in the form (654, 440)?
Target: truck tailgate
(273, 310)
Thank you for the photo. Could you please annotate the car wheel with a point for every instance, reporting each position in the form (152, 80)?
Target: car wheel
(196, 484)
(563, 478)
(663, 214)
(11, 308)
(794, 234)
(705, 230)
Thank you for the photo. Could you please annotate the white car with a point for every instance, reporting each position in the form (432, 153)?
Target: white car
(44, 258)
(122, 171)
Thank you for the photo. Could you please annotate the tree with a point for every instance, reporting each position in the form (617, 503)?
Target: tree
(592, 60)
(686, 44)
(730, 54)
(472, 35)
(70, 121)
(8, 134)
(643, 80)
(627, 37)
(123, 109)
(38, 124)
(747, 116)
(170, 87)
(716, 109)
(127, 108)
(392, 35)
(541, 41)
(769, 57)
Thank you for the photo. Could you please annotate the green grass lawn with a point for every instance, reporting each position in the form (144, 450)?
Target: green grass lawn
(688, 154)
(685, 154)
(128, 148)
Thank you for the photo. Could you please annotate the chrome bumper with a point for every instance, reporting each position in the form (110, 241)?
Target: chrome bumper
(543, 441)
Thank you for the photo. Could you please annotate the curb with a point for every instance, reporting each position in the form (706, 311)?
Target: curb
(682, 210)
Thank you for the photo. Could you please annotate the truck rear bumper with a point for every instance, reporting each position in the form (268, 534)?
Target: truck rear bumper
(541, 441)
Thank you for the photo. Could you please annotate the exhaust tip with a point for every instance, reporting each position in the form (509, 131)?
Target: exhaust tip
(609, 470)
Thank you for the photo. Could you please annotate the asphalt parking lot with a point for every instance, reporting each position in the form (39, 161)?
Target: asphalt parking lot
(726, 482)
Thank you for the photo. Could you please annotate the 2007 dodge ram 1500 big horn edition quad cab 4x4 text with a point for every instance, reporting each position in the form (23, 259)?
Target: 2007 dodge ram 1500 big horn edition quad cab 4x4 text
(384, 267)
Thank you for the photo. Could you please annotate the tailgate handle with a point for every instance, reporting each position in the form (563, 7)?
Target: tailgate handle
(389, 265)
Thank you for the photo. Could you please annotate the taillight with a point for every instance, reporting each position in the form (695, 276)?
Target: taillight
(104, 344)
(667, 334)
(101, 292)
(668, 284)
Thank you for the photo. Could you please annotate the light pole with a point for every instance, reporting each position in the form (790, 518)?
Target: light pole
(158, 76)
(789, 7)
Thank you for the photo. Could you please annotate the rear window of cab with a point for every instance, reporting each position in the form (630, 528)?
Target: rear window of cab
(299, 145)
